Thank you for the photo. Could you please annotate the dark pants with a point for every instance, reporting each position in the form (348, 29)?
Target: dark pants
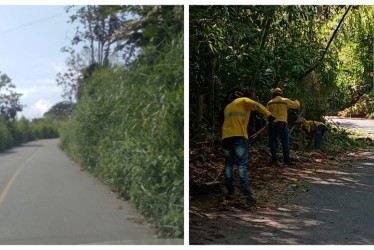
(235, 151)
(279, 129)
(320, 131)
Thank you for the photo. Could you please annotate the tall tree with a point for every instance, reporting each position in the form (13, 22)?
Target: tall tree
(9, 98)
(60, 111)
(97, 24)
(116, 30)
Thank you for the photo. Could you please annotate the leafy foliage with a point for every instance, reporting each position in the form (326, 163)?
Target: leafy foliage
(60, 111)
(127, 127)
(16, 132)
(13, 131)
(9, 99)
(292, 47)
(364, 107)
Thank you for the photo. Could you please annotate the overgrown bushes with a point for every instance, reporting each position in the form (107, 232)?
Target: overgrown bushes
(13, 133)
(364, 107)
(127, 128)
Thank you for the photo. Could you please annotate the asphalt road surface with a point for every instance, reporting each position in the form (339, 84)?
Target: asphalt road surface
(46, 199)
(336, 209)
(362, 124)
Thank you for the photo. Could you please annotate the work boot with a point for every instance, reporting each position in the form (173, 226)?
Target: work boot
(249, 196)
(274, 164)
(230, 194)
(289, 163)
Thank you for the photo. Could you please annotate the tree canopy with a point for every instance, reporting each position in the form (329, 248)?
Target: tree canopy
(320, 55)
(60, 111)
(114, 35)
(9, 98)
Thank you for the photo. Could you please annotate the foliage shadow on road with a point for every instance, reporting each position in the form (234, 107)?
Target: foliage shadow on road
(30, 145)
(297, 221)
(13, 150)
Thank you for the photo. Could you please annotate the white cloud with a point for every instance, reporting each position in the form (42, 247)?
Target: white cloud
(27, 92)
(42, 105)
(59, 68)
(39, 95)
(45, 81)
(38, 109)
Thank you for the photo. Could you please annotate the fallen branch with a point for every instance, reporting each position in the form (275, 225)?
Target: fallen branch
(252, 137)
(337, 126)
(215, 180)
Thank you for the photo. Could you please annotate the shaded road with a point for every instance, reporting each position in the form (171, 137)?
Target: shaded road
(336, 210)
(45, 199)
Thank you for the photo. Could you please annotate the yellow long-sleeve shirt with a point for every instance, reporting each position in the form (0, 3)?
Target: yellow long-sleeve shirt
(279, 106)
(310, 126)
(237, 115)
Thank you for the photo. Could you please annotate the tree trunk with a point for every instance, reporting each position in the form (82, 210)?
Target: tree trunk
(108, 41)
(201, 108)
(213, 89)
(89, 19)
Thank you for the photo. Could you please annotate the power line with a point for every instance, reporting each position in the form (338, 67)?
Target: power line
(29, 24)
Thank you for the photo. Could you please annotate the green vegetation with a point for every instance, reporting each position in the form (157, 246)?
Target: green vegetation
(127, 126)
(16, 132)
(364, 107)
(319, 55)
(13, 131)
(60, 111)
(341, 139)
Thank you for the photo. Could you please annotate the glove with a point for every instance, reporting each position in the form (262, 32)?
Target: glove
(271, 119)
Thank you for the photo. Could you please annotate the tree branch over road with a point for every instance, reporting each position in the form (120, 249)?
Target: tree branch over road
(328, 45)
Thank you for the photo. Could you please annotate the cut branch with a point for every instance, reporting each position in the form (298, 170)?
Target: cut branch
(327, 47)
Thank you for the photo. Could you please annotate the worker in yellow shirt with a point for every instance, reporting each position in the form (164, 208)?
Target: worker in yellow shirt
(234, 138)
(313, 127)
(279, 105)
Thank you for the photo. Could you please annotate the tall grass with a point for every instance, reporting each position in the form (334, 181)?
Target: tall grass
(128, 130)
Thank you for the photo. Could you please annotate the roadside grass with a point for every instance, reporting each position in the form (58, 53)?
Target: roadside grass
(128, 129)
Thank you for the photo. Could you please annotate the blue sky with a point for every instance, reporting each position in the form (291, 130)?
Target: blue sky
(30, 53)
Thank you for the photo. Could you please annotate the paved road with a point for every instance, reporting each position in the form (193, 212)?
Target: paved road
(353, 123)
(337, 210)
(45, 199)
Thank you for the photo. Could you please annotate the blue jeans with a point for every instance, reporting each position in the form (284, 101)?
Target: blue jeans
(235, 150)
(320, 130)
(279, 129)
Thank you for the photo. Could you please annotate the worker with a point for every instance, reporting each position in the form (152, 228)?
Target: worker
(315, 128)
(234, 138)
(279, 105)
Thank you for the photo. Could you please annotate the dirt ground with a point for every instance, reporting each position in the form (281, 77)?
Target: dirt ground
(324, 200)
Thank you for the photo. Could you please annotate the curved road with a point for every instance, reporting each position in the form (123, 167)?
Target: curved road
(46, 199)
(362, 124)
